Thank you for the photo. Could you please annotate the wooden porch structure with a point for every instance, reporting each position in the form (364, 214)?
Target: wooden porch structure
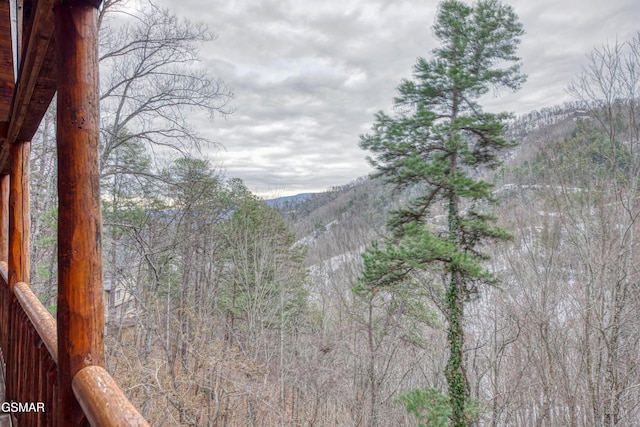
(49, 46)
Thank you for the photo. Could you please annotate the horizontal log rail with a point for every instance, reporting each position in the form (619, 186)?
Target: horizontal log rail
(41, 319)
(30, 357)
(102, 401)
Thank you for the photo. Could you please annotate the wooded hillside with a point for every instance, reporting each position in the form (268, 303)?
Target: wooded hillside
(224, 311)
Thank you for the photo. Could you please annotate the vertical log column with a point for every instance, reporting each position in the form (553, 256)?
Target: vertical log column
(4, 218)
(18, 256)
(5, 301)
(80, 287)
(19, 219)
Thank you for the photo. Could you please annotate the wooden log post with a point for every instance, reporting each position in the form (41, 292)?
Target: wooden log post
(4, 218)
(80, 286)
(18, 256)
(19, 217)
(5, 301)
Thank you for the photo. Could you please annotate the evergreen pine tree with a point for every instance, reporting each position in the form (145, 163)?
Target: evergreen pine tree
(436, 142)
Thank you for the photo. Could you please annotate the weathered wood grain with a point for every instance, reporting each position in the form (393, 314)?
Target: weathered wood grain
(80, 287)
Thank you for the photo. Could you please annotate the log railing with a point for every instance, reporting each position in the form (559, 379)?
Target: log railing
(30, 358)
(56, 365)
(32, 365)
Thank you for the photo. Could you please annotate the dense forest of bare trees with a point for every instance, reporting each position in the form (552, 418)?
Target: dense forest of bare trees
(226, 312)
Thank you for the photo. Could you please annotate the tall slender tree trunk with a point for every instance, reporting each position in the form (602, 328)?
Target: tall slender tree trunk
(371, 370)
(454, 373)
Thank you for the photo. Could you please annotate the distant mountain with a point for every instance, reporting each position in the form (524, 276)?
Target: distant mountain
(336, 225)
(288, 201)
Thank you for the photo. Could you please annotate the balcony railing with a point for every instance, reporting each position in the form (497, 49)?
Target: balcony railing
(29, 361)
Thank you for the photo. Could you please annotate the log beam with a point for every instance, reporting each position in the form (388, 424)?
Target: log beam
(36, 79)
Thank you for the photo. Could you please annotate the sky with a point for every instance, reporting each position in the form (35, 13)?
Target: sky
(309, 76)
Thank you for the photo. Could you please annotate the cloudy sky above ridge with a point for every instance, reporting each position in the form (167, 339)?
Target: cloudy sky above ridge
(309, 76)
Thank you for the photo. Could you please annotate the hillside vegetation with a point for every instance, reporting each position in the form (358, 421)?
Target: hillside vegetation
(556, 342)
(225, 310)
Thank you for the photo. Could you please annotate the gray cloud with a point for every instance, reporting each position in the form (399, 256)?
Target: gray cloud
(308, 76)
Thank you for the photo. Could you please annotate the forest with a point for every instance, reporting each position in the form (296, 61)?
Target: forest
(485, 274)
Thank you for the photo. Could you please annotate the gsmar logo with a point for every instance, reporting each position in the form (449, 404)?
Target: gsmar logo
(22, 407)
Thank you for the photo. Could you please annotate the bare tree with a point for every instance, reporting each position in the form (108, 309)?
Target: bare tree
(152, 88)
(610, 87)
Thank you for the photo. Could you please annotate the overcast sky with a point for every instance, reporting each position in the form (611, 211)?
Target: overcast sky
(308, 76)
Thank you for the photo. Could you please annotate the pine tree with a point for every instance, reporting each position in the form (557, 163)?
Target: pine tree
(436, 142)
